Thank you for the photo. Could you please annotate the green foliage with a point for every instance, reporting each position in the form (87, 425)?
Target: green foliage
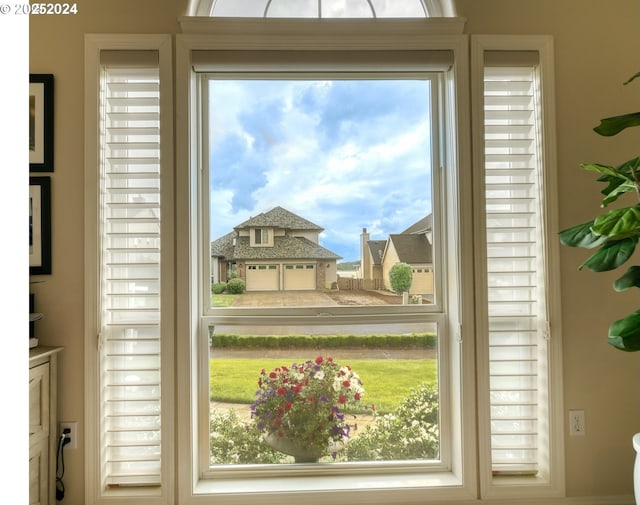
(376, 341)
(218, 287)
(400, 277)
(616, 232)
(236, 286)
(233, 442)
(410, 432)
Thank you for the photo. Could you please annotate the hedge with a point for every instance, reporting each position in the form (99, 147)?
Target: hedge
(407, 341)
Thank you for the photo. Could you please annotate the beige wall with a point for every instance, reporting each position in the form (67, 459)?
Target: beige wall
(596, 50)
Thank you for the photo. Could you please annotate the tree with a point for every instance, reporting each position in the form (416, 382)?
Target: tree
(400, 277)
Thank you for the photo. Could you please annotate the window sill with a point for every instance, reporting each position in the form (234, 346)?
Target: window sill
(415, 488)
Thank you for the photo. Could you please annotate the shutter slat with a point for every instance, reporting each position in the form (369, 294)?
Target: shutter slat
(131, 277)
(513, 236)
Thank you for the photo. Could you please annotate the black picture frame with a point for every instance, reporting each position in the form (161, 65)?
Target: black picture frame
(39, 225)
(41, 122)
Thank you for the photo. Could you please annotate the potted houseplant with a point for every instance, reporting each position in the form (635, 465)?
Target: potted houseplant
(614, 235)
(302, 409)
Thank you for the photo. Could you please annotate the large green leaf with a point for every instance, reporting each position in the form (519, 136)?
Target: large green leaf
(581, 236)
(624, 334)
(620, 179)
(611, 255)
(614, 125)
(630, 279)
(617, 222)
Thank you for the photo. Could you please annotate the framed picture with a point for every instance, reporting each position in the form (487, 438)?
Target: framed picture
(41, 122)
(39, 225)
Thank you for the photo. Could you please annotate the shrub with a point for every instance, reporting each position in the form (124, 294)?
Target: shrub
(218, 287)
(410, 432)
(236, 286)
(233, 442)
(400, 277)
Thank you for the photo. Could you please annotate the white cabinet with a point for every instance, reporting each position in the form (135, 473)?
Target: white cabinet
(42, 424)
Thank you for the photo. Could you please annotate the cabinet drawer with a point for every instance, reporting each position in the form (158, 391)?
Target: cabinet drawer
(38, 473)
(39, 399)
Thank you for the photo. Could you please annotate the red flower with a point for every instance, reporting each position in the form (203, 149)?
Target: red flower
(281, 391)
(287, 405)
(357, 396)
(319, 360)
(273, 375)
(342, 399)
(346, 384)
(277, 421)
(311, 399)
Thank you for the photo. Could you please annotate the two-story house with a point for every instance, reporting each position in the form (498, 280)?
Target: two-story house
(273, 251)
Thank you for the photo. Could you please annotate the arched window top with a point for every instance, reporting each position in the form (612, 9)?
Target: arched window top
(327, 9)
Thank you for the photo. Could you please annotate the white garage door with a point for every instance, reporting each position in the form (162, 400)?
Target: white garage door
(262, 278)
(299, 276)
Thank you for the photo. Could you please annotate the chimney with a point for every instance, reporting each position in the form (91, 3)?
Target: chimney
(364, 254)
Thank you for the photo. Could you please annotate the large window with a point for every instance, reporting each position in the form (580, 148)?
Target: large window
(311, 185)
(309, 181)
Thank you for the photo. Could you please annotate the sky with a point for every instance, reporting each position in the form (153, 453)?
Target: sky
(344, 154)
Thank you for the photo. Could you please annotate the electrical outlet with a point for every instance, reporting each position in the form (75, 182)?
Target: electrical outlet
(72, 435)
(576, 423)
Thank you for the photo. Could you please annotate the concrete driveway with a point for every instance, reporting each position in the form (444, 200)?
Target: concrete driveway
(311, 298)
(284, 299)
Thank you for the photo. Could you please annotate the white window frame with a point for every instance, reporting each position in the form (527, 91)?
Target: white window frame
(550, 481)
(458, 479)
(95, 491)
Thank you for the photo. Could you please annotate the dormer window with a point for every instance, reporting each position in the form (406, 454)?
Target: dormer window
(261, 237)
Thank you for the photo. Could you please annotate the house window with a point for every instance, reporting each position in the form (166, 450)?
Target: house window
(343, 136)
(261, 236)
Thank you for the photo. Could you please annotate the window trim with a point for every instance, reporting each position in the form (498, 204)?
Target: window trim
(533, 486)
(192, 489)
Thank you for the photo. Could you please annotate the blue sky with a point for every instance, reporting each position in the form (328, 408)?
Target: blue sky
(344, 154)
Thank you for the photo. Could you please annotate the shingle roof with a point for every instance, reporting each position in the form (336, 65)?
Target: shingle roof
(223, 246)
(412, 248)
(283, 248)
(425, 224)
(279, 217)
(376, 247)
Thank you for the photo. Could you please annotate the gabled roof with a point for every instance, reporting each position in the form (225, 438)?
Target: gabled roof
(284, 248)
(223, 246)
(279, 217)
(423, 226)
(412, 248)
(376, 248)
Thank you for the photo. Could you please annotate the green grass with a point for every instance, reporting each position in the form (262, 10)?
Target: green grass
(223, 300)
(386, 381)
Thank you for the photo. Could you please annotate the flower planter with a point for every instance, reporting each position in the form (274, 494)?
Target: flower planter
(299, 449)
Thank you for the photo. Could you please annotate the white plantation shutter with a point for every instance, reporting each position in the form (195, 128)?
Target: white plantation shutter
(130, 269)
(517, 316)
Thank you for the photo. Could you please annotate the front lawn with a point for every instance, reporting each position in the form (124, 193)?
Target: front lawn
(386, 381)
(223, 300)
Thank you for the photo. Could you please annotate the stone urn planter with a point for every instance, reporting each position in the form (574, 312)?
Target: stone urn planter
(299, 449)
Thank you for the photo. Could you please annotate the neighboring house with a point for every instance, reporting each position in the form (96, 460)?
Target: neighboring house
(413, 246)
(275, 250)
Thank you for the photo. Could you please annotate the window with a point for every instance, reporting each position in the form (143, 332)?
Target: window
(217, 78)
(521, 318)
(345, 156)
(477, 306)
